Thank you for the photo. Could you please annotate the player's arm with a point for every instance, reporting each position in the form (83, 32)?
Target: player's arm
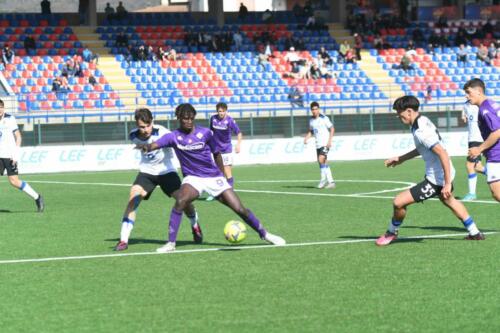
(393, 161)
(464, 116)
(445, 163)
(330, 137)
(239, 137)
(307, 137)
(490, 141)
(165, 141)
(17, 149)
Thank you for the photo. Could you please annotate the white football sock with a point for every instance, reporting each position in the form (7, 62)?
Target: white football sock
(193, 219)
(127, 226)
(472, 183)
(26, 188)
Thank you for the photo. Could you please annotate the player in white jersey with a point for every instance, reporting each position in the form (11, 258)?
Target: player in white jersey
(473, 165)
(10, 145)
(322, 129)
(439, 172)
(155, 169)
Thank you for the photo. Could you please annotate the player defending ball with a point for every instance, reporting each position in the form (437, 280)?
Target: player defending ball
(439, 172)
(155, 169)
(489, 125)
(194, 147)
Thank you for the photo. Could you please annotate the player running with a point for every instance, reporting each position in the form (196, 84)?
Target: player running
(322, 128)
(155, 169)
(194, 146)
(439, 172)
(222, 126)
(489, 125)
(10, 148)
(473, 165)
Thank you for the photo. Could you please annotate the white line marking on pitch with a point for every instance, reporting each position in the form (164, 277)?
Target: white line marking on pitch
(353, 195)
(228, 248)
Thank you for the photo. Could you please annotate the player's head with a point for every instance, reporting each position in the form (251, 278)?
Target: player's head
(406, 108)
(185, 113)
(221, 110)
(315, 109)
(144, 121)
(474, 91)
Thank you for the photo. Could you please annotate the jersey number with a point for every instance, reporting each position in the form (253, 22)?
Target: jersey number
(427, 192)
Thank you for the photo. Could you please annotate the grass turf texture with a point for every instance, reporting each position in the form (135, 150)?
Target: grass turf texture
(440, 285)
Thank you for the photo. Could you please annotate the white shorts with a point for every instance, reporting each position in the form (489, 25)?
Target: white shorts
(214, 186)
(227, 159)
(492, 172)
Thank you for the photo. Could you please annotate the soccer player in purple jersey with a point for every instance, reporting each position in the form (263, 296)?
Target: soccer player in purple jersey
(155, 169)
(489, 125)
(223, 126)
(194, 147)
(439, 172)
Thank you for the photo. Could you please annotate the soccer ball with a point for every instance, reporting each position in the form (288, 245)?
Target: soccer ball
(235, 232)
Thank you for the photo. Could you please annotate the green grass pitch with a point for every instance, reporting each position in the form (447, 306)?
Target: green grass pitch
(332, 278)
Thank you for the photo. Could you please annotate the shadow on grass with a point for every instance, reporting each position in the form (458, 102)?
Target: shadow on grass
(439, 228)
(402, 239)
(5, 211)
(135, 241)
(301, 186)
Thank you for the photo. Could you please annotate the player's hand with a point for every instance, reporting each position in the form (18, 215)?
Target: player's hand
(446, 191)
(143, 147)
(474, 152)
(13, 162)
(392, 162)
(328, 145)
(237, 149)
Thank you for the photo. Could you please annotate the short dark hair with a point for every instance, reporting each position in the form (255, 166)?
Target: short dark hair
(406, 102)
(185, 110)
(221, 105)
(144, 115)
(1, 103)
(314, 104)
(475, 83)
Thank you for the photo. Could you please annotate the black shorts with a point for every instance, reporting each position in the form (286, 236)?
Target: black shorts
(477, 159)
(322, 151)
(426, 190)
(6, 163)
(168, 183)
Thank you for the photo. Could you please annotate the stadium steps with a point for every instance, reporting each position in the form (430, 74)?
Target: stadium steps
(339, 33)
(89, 38)
(379, 76)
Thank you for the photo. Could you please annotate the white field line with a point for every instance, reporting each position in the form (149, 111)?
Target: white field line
(353, 195)
(228, 248)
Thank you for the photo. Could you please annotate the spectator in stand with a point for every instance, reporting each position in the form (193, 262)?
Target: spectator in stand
(492, 51)
(172, 55)
(60, 85)
(121, 12)
(89, 57)
(300, 44)
(310, 23)
(295, 97)
(488, 27)
(462, 54)
(405, 63)
(324, 57)
(109, 11)
(293, 59)
(29, 44)
(308, 10)
(344, 47)
(418, 37)
(297, 11)
(482, 54)
(121, 40)
(8, 55)
(378, 42)
(45, 5)
(141, 53)
(92, 80)
(69, 69)
(358, 45)
(238, 40)
(442, 22)
(315, 72)
(350, 57)
(78, 68)
(428, 94)
(460, 37)
(243, 12)
(267, 16)
(410, 48)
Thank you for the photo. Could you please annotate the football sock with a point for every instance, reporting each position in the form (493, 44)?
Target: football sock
(231, 181)
(472, 183)
(471, 226)
(255, 224)
(394, 226)
(193, 219)
(328, 173)
(127, 226)
(26, 188)
(174, 224)
(322, 172)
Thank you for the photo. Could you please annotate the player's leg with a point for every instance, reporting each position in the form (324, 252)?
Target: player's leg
(493, 179)
(321, 161)
(170, 184)
(137, 193)
(231, 200)
(399, 208)
(14, 180)
(328, 173)
(228, 173)
(184, 197)
(461, 212)
(495, 190)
